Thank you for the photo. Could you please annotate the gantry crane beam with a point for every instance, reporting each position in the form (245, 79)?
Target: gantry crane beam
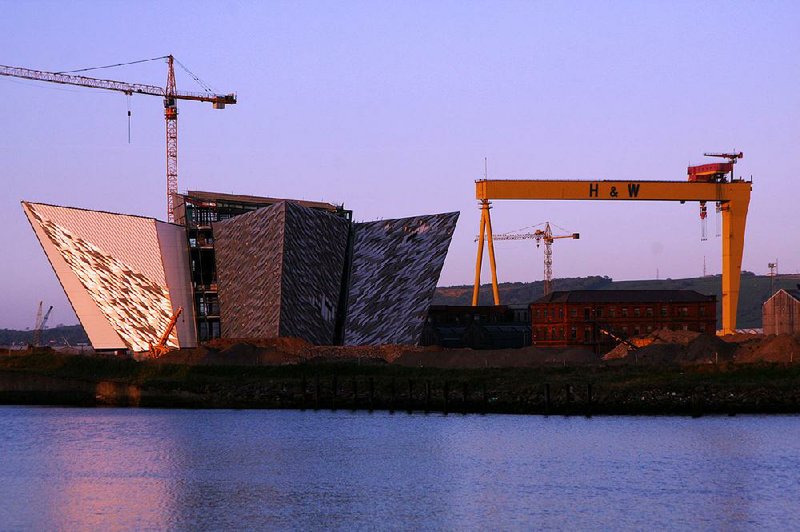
(169, 93)
(734, 198)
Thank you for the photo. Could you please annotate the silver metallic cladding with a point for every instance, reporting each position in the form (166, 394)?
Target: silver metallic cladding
(395, 269)
(280, 271)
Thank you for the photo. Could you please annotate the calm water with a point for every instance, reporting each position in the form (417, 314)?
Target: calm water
(145, 469)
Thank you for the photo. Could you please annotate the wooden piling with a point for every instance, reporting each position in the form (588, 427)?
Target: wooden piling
(393, 395)
(427, 396)
(371, 394)
(410, 405)
(316, 392)
(547, 398)
(334, 391)
(589, 399)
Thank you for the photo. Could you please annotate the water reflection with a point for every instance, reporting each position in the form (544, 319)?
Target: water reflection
(144, 469)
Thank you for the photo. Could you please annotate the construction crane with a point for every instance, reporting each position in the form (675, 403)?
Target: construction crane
(540, 235)
(160, 349)
(169, 93)
(41, 323)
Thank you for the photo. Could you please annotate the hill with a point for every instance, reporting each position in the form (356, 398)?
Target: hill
(755, 289)
(74, 334)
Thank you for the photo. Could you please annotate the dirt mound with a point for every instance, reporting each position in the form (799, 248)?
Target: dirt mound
(526, 357)
(619, 352)
(667, 336)
(288, 345)
(708, 349)
(780, 348)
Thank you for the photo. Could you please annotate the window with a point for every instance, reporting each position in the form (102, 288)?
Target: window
(649, 311)
(702, 310)
(684, 311)
(685, 327)
(573, 313)
(561, 312)
(664, 312)
(649, 328)
(612, 312)
(625, 330)
(587, 313)
(637, 312)
(573, 333)
(598, 312)
(624, 312)
(587, 334)
(636, 331)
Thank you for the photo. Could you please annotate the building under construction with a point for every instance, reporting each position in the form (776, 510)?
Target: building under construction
(244, 267)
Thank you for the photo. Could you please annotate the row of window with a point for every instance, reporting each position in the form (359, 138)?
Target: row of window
(598, 312)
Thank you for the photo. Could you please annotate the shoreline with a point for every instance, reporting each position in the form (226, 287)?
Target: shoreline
(724, 389)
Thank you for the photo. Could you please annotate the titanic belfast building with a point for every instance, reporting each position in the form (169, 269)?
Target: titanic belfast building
(244, 267)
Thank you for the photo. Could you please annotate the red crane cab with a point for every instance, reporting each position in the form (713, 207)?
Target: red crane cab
(709, 173)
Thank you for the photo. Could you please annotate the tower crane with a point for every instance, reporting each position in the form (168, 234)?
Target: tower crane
(169, 93)
(540, 235)
(41, 323)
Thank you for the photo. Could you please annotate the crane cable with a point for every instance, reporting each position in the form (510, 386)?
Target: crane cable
(206, 87)
(111, 66)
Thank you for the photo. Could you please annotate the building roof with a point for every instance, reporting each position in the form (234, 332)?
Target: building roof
(626, 296)
(794, 293)
(252, 200)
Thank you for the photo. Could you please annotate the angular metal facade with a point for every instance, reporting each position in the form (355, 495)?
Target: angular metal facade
(285, 269)
(395, 268)
(124, 275)
(280, 271)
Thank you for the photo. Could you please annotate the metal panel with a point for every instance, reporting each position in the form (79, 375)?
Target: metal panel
(249, 257)
(131, 299)
(100, 332)
(395, 268)
(279, 272)
(174, 250)
(315, 245)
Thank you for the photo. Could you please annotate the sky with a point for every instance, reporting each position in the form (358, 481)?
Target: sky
(392, 107)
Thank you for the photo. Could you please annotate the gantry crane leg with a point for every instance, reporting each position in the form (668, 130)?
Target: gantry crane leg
(734, 218)
(485, 229)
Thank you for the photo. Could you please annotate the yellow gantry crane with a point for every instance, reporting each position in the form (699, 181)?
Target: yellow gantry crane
(733, 197)
(539, 235)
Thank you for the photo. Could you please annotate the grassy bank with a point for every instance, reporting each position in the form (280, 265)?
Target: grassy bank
(47, 378)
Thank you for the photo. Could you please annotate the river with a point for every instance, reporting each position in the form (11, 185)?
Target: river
(71, 468)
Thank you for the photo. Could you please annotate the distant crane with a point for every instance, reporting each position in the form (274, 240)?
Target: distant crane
(41, 323)
(169, 93)
(540, 235)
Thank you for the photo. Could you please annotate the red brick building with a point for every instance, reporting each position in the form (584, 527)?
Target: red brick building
(580, 317)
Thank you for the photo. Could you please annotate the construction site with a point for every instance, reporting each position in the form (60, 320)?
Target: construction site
(229, 277)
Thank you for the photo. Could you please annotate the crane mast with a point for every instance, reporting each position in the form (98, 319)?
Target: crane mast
(170, 94)
(540, 235)
(41, 323)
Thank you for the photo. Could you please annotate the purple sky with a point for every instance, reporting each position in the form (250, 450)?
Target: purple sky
(390, 107)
